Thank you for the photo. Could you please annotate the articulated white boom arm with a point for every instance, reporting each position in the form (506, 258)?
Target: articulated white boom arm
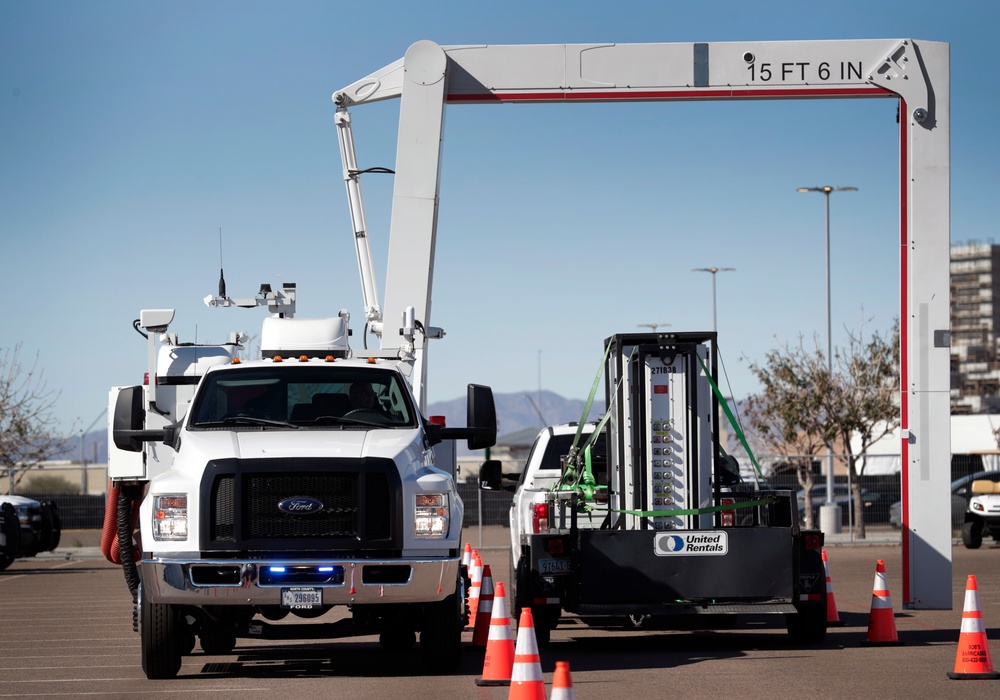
(352, 175)
(914, 72)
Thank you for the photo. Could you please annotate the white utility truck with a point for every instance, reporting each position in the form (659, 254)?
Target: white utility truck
(643, 519)
(286, 485)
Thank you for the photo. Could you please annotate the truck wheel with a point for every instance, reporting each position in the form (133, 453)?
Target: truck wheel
(808, 626)
(5, 562)
(543, 629)
(441, 635)
(520, 596)
(972, 534)
(159, 630)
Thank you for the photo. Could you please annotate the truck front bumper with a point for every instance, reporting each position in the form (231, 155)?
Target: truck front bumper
(261, 582)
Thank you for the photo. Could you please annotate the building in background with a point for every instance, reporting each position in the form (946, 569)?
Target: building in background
(975, 320)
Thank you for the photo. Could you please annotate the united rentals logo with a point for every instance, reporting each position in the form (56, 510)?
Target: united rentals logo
(300, 505)
(687, 543)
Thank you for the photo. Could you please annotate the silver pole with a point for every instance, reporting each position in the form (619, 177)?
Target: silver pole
(826, 190)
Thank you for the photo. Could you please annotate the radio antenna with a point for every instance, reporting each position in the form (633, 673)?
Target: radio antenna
(222, 277)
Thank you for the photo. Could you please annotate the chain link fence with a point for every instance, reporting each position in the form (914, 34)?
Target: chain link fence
(880, 491)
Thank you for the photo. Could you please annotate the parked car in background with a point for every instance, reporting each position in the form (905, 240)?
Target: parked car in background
(876, 504)
(961, 494)
(27, 527)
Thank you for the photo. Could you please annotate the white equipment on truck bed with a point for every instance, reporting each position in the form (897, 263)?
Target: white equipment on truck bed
(661, 530)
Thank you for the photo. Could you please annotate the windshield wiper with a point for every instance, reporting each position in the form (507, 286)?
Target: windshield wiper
(341, 420)
(245, 420)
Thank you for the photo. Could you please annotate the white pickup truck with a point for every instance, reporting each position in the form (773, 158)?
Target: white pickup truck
(529, 512)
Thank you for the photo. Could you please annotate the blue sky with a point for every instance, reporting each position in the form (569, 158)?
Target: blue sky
(132, 132)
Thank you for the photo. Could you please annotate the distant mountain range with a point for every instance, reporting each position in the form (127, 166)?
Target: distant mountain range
(516, 412)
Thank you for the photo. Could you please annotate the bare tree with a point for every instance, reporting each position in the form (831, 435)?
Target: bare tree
(804, 407)
(786, 415)
(28, 434)
(863, 403)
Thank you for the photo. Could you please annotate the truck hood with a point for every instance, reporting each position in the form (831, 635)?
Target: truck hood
(18, 500)
(301, 443)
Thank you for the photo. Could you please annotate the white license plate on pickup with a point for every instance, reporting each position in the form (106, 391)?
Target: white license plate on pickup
(554, 566)
(301, 598)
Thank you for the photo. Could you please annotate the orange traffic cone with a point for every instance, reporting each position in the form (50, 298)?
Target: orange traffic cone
(526, 682)
(484, 612)
(832, 616)
(476, 574)
(881, 624)
(562, 684)
(499, 661)
(972, 661)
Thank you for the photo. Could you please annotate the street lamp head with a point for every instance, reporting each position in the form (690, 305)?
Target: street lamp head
(713, 270)
(826, 189)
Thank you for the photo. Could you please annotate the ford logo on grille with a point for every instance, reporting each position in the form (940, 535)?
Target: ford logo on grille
(300, 505)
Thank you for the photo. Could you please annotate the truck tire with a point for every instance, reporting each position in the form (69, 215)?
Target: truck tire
(51, 526)
(441, 635)
(160, 633)
(972, 534)
(808, 626)
(543, 629)
(11, 528)
(521, 594)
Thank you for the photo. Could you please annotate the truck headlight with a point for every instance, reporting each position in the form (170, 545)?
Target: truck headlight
(432, 515)
(170, 518)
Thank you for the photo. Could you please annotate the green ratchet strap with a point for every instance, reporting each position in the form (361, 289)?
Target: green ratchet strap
(730, 416)
(590, 401)
(570, 479)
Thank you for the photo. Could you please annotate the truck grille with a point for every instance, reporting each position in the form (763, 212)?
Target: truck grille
(360, 506)
(337, 493)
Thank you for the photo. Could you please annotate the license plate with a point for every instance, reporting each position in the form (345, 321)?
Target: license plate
(301, 598)
(554, 566)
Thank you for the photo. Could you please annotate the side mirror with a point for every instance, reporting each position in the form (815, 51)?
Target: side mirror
(481, 420)
(491, 476)
(482, 417)
(129, 417)
(127, 428)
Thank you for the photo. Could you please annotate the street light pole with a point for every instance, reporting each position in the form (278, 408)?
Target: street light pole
(713, 270)
(827, 190)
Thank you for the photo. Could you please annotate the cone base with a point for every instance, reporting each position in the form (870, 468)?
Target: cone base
(987, 676)
(484, 682)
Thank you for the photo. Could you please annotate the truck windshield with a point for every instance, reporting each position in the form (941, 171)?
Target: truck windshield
(302, 396)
